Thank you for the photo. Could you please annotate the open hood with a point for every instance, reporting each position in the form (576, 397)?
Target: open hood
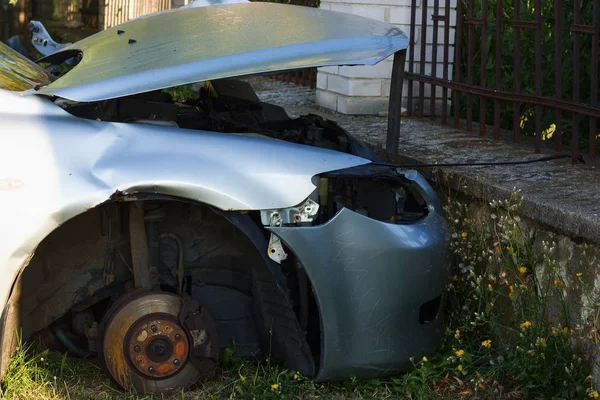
(189, 45)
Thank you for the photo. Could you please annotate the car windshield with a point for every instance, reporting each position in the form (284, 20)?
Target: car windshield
(17, 73)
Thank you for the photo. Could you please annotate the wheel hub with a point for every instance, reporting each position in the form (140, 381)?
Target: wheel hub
(145, 346)
(157, 346)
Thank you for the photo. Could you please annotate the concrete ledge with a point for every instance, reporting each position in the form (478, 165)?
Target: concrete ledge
(564, 197)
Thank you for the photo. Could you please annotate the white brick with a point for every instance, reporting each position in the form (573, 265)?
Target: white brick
(381, 70)
(322, 80)
(327, 99)
(365, 87)
(338, 84)
(401, 15)
(362, 105)
(329, 70)
(354, 87)
(373, 12)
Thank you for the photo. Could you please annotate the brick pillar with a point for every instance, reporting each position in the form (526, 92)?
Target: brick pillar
(365, 89)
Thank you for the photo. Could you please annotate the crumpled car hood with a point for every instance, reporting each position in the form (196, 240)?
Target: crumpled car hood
(189, 45)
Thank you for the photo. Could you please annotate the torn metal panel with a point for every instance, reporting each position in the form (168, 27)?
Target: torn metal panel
(189, 45)
(42, 41)
(371, 280)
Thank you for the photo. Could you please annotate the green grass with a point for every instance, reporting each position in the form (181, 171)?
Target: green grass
(47, 375)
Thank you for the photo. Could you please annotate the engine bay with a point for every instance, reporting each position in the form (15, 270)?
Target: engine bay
(225, 105)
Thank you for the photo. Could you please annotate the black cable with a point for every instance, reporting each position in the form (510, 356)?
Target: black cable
(482, 164)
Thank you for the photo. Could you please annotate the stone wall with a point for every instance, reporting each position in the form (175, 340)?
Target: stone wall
(365, 89)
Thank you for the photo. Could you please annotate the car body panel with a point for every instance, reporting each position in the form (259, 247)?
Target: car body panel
(54, 166)
(370, 279)
(189, 45)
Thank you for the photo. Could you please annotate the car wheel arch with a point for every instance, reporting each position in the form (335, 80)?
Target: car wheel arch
(12, 328)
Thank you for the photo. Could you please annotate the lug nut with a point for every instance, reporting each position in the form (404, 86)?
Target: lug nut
(151, 370)
(177, 336)
(153, 328)
(176, 361)
(136, 348)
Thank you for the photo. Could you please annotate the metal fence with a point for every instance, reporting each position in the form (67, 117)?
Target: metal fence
(553, 42)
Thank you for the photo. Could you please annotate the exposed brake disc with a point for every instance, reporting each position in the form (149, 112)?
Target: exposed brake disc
(154, 342)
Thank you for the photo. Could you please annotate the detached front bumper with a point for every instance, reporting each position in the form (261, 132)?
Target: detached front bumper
(379, 288)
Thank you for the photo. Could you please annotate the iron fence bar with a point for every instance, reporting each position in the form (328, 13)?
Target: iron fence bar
(538, 74)
(434, 49)
(498, 70)
(395, 103)
(558, 50)
(470, 50)
(457, 62)
(517, 70)
(411, 55)
(576, 78)
(446, 62)
(483, 65)
(423, 57)
(583, 28)
(580, 108)
(594, 78)
(525, 24)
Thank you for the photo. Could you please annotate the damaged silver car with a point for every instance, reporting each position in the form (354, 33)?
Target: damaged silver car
(154, 232)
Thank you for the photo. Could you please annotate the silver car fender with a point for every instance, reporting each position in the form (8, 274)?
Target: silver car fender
(54, 166)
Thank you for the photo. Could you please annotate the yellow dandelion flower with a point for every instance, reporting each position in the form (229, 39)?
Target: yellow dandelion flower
(464, 235)
(424, 359)
(579, 274)
(525, 325)
(242, 378)
(489, 286)
(594, 394)
(486, 343)
(522, 270)
(275, 386)
(296, 377)
(566, 330)
(558, 283)
(457, 332)
(460, 367)
(460, 353)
